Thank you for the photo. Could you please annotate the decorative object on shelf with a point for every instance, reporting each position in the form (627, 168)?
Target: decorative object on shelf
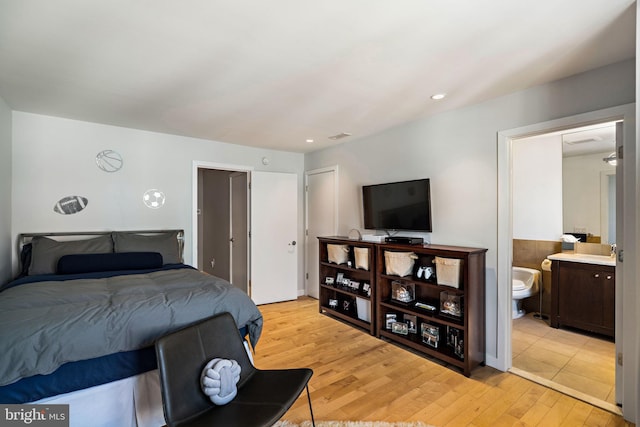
(348, 305)
(153, 199)
(70, 205)
(329, 281)
(399, 263)
(363, 309)
(412, 323)
(366, 288)
(338, 254)
(400, 328)
(390, 319)
(448, 271)
(425, 273)
(362, 258)
(354, 234)
(109, 161)
(355, 286)
(455, 340)
(428, 307)
(339, 279)
(450, 303)
(430, 334)
(403, 292)
(333, 303)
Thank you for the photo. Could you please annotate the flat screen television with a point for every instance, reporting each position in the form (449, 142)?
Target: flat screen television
(404, 205)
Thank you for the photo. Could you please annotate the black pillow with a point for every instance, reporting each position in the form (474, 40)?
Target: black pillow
(89, 263)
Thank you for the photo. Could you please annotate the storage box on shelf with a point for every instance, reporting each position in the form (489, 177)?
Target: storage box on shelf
(347, 281)
(441, 318)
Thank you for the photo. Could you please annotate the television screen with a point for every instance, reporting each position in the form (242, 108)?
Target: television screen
(402, 205)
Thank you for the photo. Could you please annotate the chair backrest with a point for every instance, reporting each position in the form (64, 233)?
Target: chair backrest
(181, 357)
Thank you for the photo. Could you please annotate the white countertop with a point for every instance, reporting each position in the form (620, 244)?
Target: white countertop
(584, 258)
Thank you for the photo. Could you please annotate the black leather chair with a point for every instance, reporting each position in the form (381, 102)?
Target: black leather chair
(264, 396)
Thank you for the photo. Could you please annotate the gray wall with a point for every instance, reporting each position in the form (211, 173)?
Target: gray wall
(457, 150)
(5, 192)
(54, 158)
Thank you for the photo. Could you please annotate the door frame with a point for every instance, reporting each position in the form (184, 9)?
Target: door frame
(624, 283)
(336, 188)
(197, 164)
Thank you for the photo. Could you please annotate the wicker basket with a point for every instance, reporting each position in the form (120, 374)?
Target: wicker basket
(448, 271)
(362, 258)
(338, 254)
(399, 263)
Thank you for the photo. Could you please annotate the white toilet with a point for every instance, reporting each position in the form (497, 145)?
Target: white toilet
(525, 283)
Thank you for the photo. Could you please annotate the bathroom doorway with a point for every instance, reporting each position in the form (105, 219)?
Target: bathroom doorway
(507, 244)
(569, 199)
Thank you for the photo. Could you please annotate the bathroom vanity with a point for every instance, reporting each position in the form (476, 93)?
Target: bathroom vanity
(583, 292)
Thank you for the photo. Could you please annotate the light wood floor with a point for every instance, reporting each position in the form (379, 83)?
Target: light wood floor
(581, 362)
(360, 377)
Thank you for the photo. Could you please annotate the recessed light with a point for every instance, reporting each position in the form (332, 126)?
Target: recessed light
(309, 140)
(438, 96)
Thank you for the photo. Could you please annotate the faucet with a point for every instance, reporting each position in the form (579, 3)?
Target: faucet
(614, 249)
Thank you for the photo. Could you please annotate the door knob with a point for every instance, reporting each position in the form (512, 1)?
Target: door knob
(293, 243)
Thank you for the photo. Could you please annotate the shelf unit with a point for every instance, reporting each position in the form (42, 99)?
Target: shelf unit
(360, 310)
(461, 339)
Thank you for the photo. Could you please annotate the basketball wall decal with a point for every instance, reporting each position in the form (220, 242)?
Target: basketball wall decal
(70, 205)
(153, 199)
(109, 160)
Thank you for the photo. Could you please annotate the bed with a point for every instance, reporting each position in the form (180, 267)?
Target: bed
(78, 324)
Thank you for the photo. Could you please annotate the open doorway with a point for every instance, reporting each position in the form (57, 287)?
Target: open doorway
(223, 231)
(557, 190)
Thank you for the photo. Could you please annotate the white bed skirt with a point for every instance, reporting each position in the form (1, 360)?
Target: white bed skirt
(130, 402)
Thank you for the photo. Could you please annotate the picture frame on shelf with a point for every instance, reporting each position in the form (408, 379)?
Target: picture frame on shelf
(400, 328)
(330, 281)
(366, 288)
(412, 323)
(333, 303)
(430, 334)
(390, 319)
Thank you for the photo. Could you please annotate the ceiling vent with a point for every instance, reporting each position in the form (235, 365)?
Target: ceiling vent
(570, 141)
(340, 136)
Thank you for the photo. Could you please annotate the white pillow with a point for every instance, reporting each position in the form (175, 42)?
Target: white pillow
(218, 380)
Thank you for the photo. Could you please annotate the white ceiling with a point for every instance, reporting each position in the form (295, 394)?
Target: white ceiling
(275, 73)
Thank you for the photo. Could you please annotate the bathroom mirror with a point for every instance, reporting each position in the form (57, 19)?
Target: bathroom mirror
(589, 182)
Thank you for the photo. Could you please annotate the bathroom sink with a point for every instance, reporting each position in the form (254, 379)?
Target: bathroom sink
(584, 258)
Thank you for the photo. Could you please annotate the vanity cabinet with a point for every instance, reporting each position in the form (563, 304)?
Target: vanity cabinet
(583, 296)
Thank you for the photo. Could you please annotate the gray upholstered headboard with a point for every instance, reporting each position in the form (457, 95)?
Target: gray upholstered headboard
(25, 238)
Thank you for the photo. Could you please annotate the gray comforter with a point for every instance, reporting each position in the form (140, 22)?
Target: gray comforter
(46, 324)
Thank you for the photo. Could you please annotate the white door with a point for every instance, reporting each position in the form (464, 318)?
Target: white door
(321, 219)
(274, 227)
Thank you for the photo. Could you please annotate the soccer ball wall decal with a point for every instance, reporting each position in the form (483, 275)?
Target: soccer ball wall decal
(153, 199)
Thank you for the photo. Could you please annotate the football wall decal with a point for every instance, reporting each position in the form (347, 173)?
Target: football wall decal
(70, 205)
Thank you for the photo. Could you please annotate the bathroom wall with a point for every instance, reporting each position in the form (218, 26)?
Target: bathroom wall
(530, 254)
(537, 188)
